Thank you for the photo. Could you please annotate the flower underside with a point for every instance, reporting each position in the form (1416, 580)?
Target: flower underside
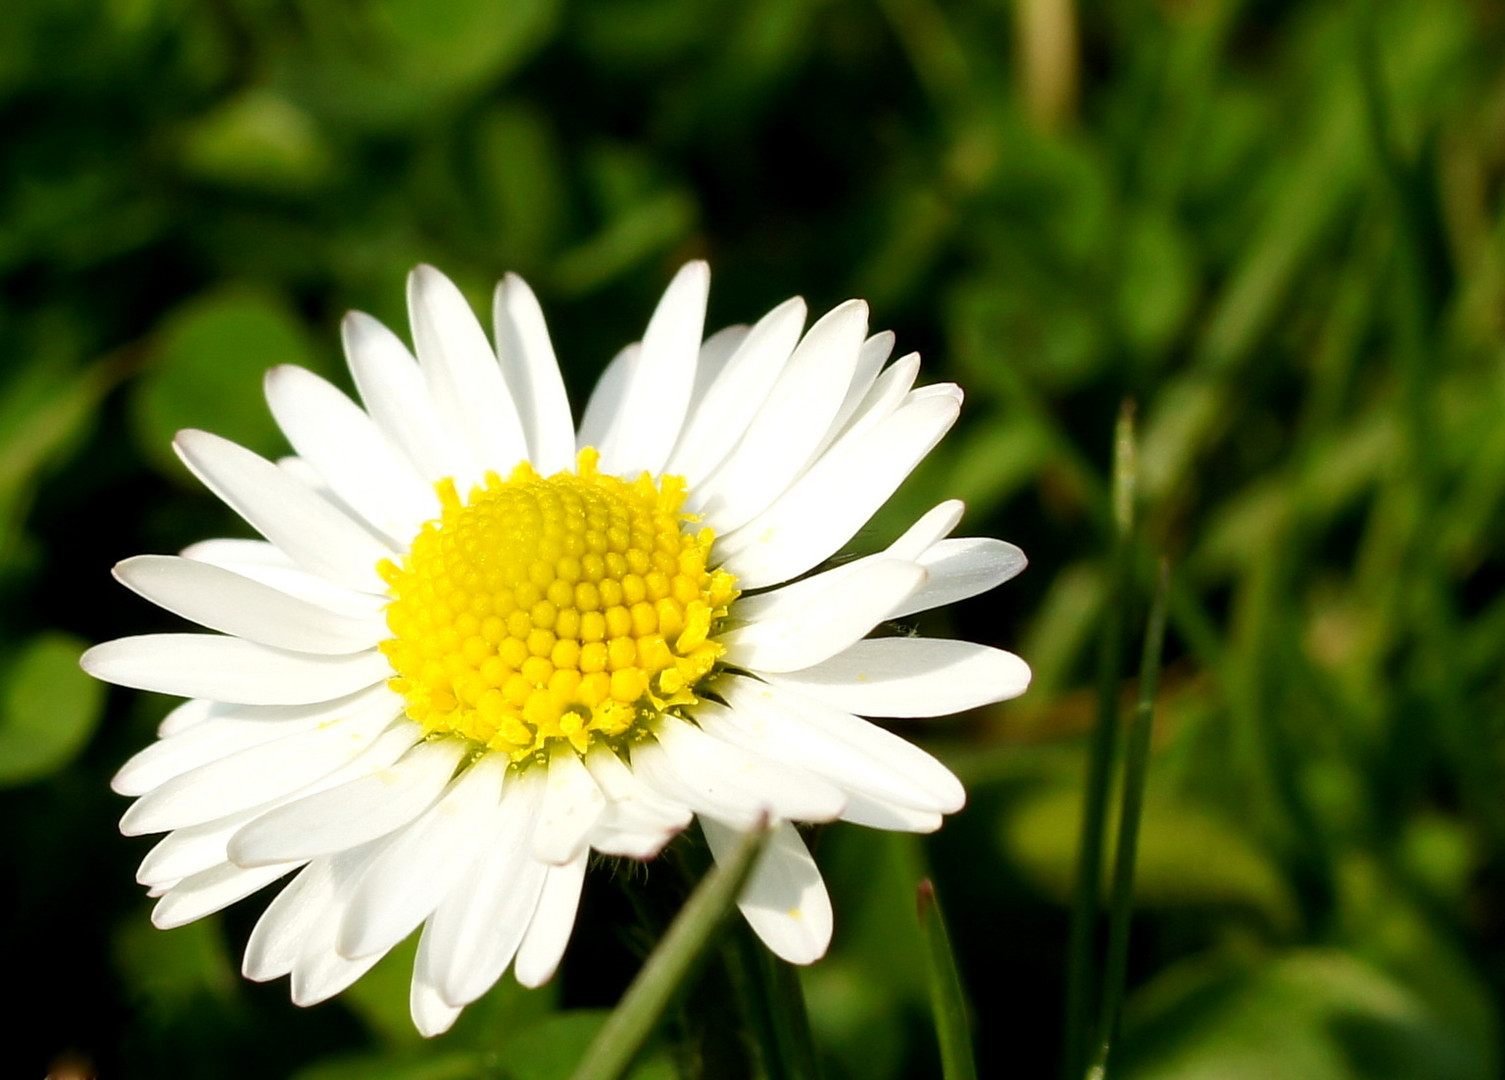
(577, 606)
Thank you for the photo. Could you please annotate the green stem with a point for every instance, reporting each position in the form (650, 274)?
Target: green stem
(612, 1051)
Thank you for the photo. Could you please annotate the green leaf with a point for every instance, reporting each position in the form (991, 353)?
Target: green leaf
(1174, 868)
(49, 708)
(170, 970)
(520, 183)
(207, 368)
(395, 62)
(458, 43)
(258, 140)
(549, 1049)
(380, 997)
(1308, 1015)
(465, 1065)
(1156, 283)
(1381, 920)
(650, 224)
(44, 411)
(856, 1019)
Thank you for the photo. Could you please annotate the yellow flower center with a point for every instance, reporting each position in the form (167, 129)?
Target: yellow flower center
(577, 606)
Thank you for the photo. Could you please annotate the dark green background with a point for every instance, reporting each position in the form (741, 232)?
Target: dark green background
(1275, 225)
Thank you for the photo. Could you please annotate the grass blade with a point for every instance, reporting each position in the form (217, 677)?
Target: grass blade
(1136, 769)
(671, 963)
(792, 1044)
(948, 1005)
(1080, 982)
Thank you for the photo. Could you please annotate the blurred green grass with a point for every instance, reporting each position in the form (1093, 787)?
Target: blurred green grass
(1276, 225)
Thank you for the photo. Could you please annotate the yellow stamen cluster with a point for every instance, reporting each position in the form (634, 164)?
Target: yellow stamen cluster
(574, 607)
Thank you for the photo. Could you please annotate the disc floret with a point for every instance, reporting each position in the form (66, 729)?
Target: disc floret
(574, 607)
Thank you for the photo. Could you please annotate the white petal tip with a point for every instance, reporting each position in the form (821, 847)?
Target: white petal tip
(534, 979)
(357, 327)
(90, 660)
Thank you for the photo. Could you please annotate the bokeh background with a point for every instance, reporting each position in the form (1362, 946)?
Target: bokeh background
(1276, 225)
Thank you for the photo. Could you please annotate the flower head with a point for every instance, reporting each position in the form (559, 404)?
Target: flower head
(475, 644)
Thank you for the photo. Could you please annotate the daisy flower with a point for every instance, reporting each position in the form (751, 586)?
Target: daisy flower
(476, 644)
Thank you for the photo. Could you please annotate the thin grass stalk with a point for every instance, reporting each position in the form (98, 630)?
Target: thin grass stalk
(668, 967)
(791, 1020)
(775, 1002)
(948, 1003)
(1131, 812)
(1424, 278)
(1080, 977)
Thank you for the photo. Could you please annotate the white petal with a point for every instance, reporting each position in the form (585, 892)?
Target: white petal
(192, 850)
(196, 848)
(265, 563)
(223, 600)
(903, 676)
(791, 423)
(652, 765)
(475, 932)
(237, 554)
(553, 919)
(325, 973)
(785, 901)
(637, 826)
(735, 784)
(318, 970)
(657, 390)
(305, 474)
(630, 838)
(720, 419)
(604, 406)
(891, 390)
(202, 894)
(221, 730)
(869, 393)
(421, 862)
(462, 372)
(572, 804)
(961, 568)
(180, 718)
(638, 822)
(532, 374)
(819, 623)
(229, 669)
(319, 537)
(280, 933)
(933, 526)
(334, 436)
(715, 351)
(829, 503)
(916, 545)
(431, 1015)
(352, 813)
(392, 386)
(873, 355)
(875, 813)
(267, 773)
(859, 756)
